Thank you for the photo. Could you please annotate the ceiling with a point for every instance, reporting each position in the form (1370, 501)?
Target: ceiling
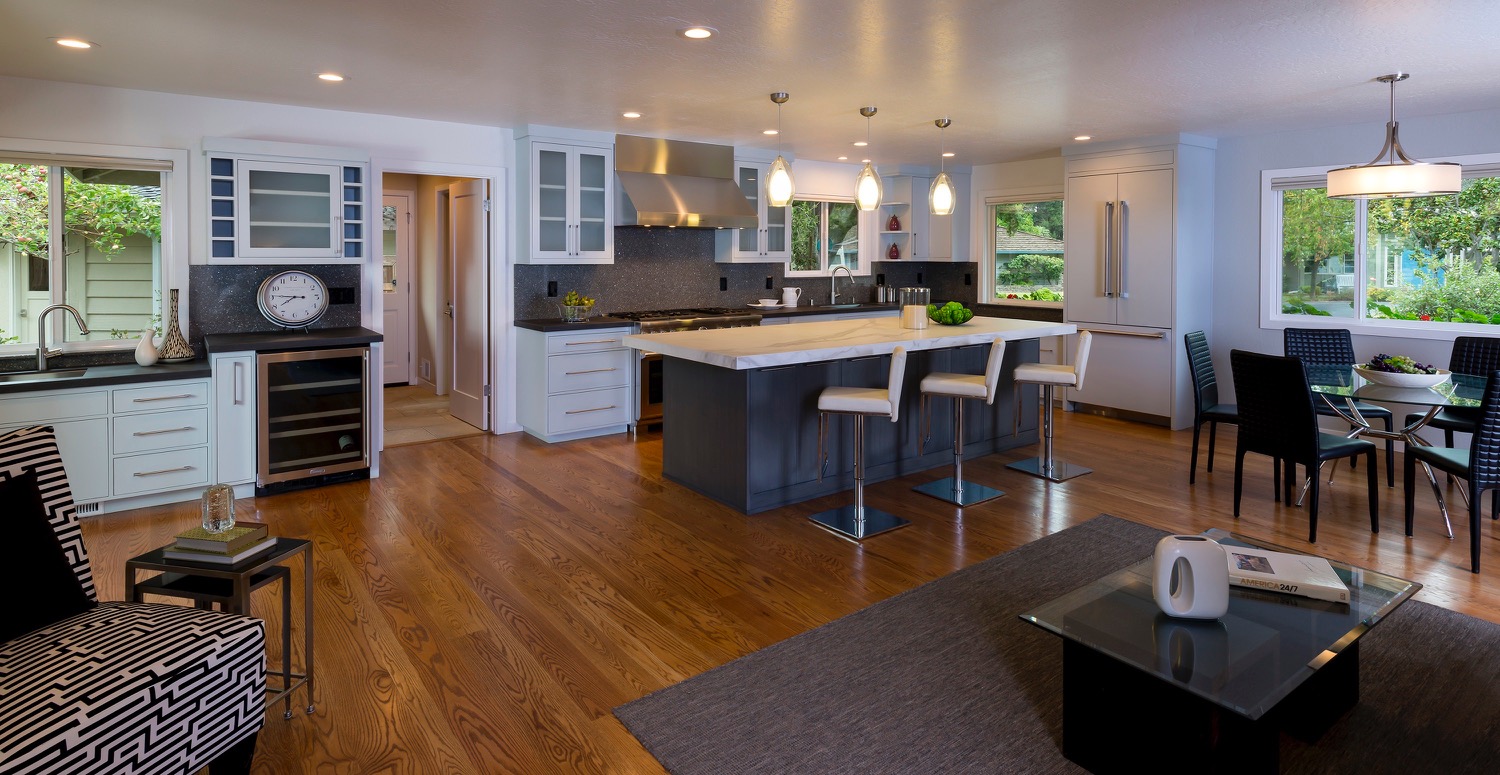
(1018, 78)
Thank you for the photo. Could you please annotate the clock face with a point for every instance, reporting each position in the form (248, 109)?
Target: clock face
(294, 299)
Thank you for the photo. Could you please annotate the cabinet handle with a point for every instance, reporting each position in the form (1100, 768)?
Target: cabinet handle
(590, 371)
(585, 411)
(1123, 241)
(160, 398)
(1142, 334)
(1109, 249)
(239, 383)
(163, 471)
(163, 430)
(591, 341)
(338, 235)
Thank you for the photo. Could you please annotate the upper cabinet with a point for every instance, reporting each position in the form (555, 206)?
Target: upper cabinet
(919, 235)
(264, 206)
(567, 212)
(770, 241)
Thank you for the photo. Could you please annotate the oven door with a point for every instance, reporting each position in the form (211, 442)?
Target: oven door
(648, 389)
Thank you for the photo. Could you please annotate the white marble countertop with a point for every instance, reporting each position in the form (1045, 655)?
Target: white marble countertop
(760, 347)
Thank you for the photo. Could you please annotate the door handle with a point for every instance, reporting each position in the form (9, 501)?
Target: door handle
(1124, 250)
(448, 309)
(1109, 249)
(239, 383)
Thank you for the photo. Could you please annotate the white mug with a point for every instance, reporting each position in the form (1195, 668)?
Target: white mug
(789, 296)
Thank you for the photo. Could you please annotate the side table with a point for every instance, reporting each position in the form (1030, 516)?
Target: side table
(230, 586)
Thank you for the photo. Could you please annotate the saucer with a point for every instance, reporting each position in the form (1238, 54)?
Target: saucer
(758, 305)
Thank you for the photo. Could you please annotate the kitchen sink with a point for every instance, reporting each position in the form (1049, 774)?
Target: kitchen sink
(839, 306)
(39, 376)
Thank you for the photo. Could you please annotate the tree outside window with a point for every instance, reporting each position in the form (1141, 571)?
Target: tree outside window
(1028, 250)
(824, 235)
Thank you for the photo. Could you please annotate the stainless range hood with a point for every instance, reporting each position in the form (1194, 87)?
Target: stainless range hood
(676, 183)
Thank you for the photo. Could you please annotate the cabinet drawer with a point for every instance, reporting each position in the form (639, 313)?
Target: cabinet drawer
(588, 371)
(160, 430)
(586, 341)
(39, 407)
(590, 409)
(168, 395)
(160, 471)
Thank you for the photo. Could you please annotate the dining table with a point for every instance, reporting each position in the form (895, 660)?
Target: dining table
(1342, 388)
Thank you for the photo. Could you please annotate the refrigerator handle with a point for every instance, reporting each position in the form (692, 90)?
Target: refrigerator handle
(1109, 249)
(1124, 239)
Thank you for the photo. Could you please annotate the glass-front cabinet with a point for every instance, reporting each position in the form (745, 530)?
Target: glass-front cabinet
(769, 242)
(570, 204)
(261, 209)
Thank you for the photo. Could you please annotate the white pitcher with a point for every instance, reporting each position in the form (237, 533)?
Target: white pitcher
(789, 296)
(145, 350)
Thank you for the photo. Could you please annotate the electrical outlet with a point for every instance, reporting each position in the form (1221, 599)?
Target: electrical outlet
(341, 295)
(769, 281)
(968, 279)
(919, 278)
(552, 288)
(879, 279)
(723, 283)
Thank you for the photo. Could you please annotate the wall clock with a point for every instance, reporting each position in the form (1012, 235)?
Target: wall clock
(292, 299)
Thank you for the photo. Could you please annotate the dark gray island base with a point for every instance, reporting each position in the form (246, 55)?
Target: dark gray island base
(749, 438)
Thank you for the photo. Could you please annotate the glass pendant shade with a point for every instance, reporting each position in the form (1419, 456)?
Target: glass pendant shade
(940, 197)
(780, 187)
(868, 190)
(1393, 174)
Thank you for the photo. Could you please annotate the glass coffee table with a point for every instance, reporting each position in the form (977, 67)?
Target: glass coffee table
(1145, 690)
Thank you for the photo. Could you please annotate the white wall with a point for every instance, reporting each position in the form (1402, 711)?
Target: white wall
(1237, 219)
(1016, 178)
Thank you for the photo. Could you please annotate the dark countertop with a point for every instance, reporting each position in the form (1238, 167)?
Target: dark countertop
(96, 376)
(822, 309)
(313, 339)
(548, 325)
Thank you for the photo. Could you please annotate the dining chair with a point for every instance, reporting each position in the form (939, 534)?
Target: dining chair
(1278, 419)
(1206, 406)
(1479, 464)
(1318, 346)
(1471, 355)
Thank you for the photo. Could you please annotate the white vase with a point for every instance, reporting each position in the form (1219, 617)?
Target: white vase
(145, 352)
(1192, 577)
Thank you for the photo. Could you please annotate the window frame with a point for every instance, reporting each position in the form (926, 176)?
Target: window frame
(863, 226)
(988, 291)
(172, 163)
(1272, 182)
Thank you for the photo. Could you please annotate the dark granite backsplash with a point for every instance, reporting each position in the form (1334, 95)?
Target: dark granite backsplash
(658, 268)
(222, 298)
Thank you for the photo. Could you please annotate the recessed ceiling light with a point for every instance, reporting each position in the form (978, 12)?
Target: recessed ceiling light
(631, 114)
(1083, 138)
(770, 132)
(843, 158)
(74, 43)
(860, 143)
(948, 155)
(335, 77)
(697, 33)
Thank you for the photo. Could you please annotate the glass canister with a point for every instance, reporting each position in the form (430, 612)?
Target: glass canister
(218, 508)
(914, 301)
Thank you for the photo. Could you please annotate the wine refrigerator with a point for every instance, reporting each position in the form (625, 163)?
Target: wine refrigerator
(314, 418)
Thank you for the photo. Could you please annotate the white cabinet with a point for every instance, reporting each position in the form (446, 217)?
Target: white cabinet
(1138, 271)
(921, 236)
(574, 384)
(234, 417)
(567, 213)
(268, 209)
(771, 240)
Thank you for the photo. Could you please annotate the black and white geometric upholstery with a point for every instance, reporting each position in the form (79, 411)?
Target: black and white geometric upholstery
(122, 687)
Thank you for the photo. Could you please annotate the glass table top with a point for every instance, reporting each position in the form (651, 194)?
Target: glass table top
(1342, 380)
(1248, 660)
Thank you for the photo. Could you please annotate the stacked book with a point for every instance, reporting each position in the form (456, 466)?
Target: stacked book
(241, 542)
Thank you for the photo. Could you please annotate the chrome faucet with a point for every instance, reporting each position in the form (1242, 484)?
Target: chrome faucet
(42, 353)
(833, 283)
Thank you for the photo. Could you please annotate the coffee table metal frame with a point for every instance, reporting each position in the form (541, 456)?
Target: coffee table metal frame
(230, 587)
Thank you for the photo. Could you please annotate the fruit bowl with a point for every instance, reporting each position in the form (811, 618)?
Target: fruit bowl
(1396, 379)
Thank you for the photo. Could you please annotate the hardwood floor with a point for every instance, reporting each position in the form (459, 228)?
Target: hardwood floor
(484, 604)
(415, 415)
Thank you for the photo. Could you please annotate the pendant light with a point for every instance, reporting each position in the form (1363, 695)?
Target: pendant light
(780, 188)
(1392, 173)
(941, 198)
(868, 190)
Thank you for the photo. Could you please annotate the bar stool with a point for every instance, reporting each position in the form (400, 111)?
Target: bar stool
(1049, 376)
(857, 521)
(954, 489)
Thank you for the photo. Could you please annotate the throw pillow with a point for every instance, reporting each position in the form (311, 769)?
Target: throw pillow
(53, 592)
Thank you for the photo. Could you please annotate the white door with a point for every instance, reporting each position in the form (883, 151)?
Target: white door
(1145, 245)
(395, 212)
(469, 241)
(1089, 212)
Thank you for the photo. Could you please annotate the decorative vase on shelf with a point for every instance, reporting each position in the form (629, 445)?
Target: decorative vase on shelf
(145, 351)
(894, 224)
(174, 346)
(894, 254)
(218, 508)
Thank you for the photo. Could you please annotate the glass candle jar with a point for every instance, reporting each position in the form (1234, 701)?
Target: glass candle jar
(218, 508)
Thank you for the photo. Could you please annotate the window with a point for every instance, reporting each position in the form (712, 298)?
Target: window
(1425, 263)
(825, 235)
(1027, 250)
(85, 231)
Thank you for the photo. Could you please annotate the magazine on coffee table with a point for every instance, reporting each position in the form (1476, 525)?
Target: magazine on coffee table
(1294, 574)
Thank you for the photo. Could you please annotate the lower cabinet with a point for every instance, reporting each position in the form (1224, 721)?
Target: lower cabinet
(234, 417)
(574, 384)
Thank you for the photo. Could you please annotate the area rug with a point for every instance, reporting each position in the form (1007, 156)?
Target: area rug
(945, 678)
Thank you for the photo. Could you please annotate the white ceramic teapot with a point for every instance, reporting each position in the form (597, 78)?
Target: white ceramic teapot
(789, 296)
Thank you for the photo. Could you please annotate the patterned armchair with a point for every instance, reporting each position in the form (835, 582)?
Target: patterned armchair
(121, 687)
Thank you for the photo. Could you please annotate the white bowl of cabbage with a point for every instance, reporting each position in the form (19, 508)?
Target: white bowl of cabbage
(1401, 371)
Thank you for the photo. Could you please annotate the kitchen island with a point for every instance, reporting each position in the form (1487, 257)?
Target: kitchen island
(741, 404)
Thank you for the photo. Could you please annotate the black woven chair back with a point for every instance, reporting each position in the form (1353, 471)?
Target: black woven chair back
(1475, 355)
(1205, 384)
(1319, 345)
(1484, 447)
(1275, 406)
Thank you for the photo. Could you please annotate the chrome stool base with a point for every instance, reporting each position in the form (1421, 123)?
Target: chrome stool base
(856, 523)
(965, 494)
(1061, 470)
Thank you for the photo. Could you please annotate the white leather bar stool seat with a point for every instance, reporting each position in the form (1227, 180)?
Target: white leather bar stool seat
(1050, 376)
(960, 387)
(857, 521)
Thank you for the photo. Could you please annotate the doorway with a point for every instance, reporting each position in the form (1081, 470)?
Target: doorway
(433, 329)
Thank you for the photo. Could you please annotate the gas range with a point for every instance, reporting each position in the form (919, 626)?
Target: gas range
(700, 318)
